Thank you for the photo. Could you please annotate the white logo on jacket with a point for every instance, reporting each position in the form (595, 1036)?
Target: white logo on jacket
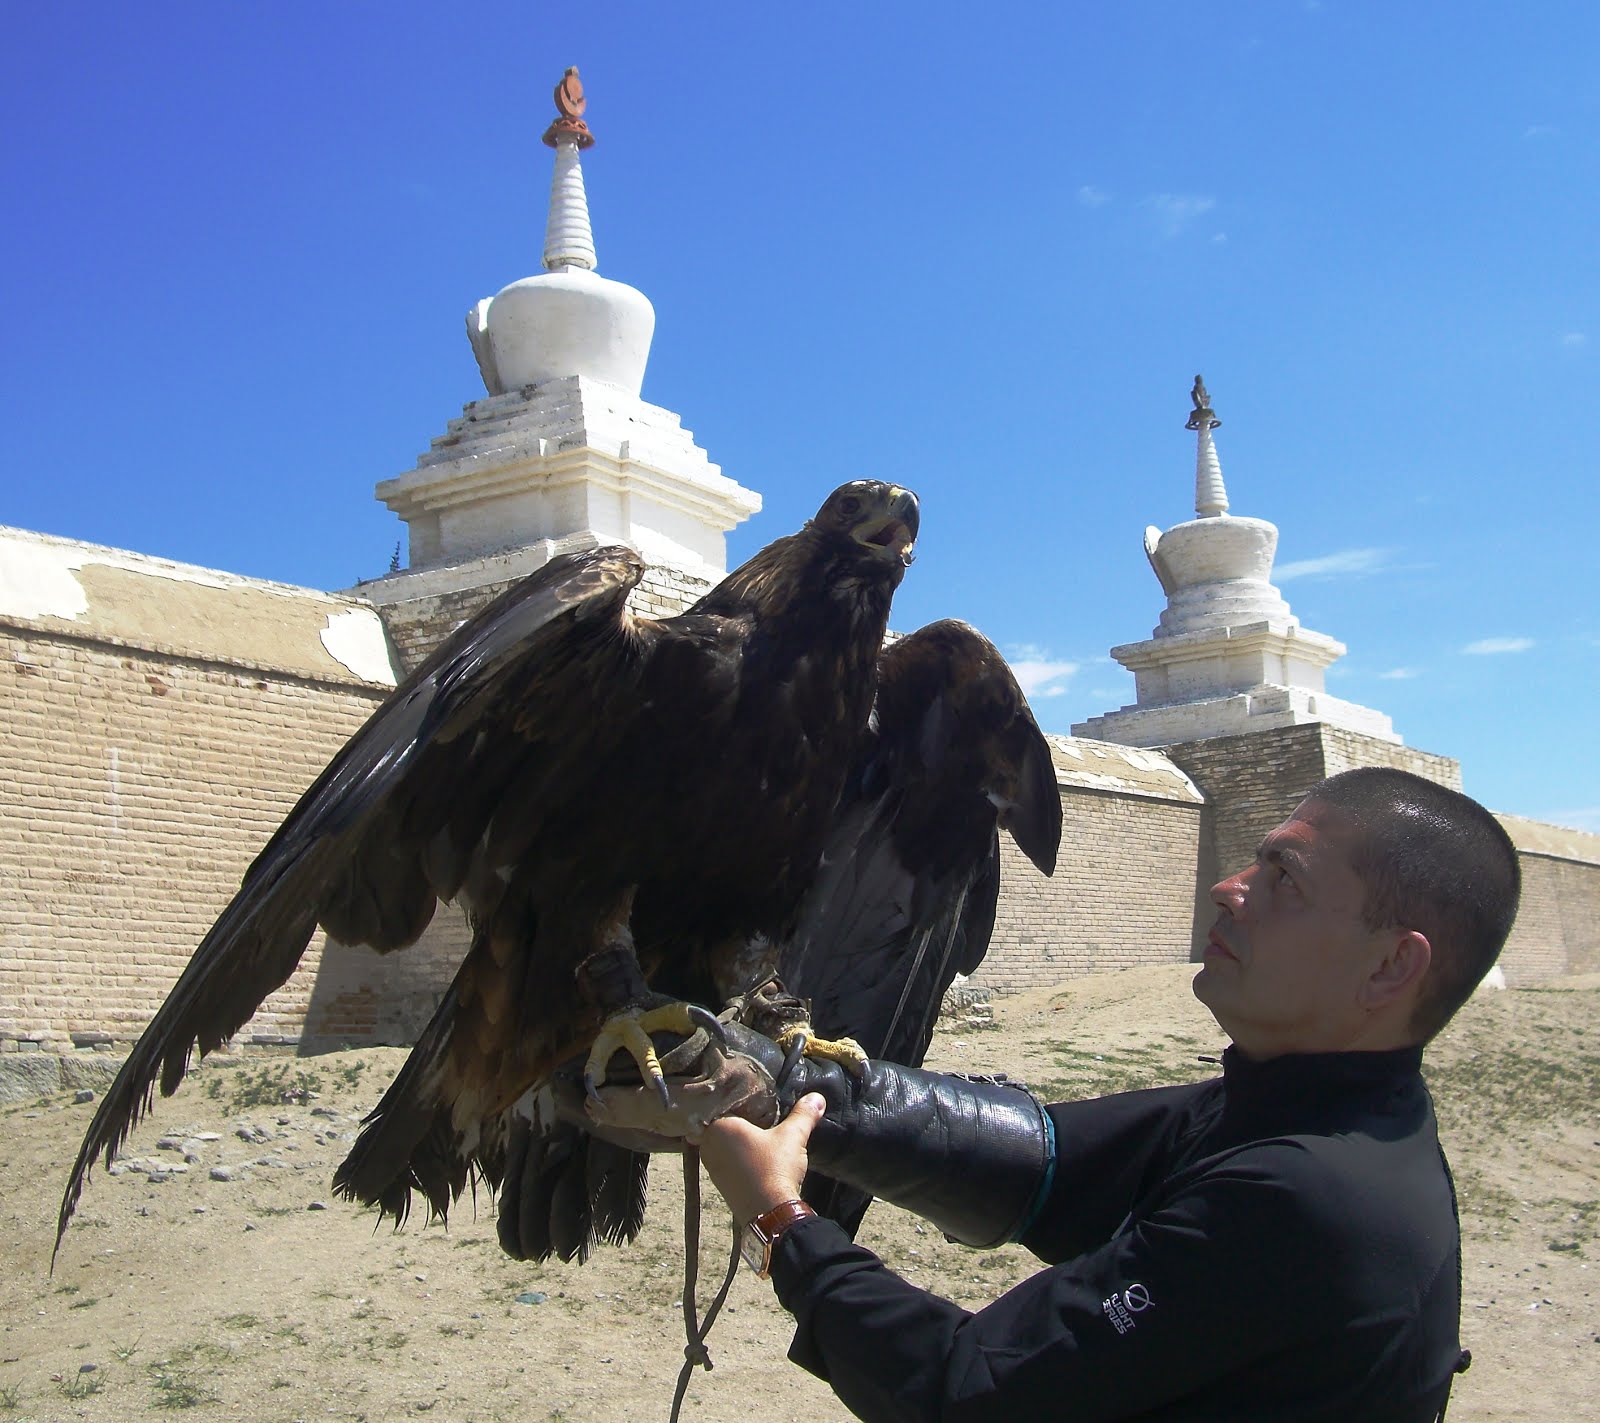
(1121, 1305)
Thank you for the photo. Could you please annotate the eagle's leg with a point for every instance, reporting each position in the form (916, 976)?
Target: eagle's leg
(776, 1013)
(612, 980)
(847, 1052)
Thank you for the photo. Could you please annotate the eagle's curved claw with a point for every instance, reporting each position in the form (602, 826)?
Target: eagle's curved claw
(629, 1031)
(705, 1018)
(797, 1041)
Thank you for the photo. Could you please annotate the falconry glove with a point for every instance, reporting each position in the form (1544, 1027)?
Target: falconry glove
(972, 1156)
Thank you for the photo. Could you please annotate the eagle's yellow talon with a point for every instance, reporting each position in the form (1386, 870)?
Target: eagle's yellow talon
(847, 1052)
(630, 1032)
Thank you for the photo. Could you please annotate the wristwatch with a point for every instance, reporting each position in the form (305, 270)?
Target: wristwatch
(756, 1240)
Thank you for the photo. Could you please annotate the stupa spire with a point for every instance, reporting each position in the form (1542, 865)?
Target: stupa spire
(1210, 496)
(563, 453)
(568, 238)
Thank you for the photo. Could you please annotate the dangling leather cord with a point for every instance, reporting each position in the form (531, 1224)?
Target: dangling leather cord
(694, 1352)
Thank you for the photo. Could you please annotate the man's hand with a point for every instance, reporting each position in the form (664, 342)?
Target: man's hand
(756, 1168)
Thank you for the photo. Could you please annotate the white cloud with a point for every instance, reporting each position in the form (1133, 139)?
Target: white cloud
(1489, 646)
(1218, 238)
(1175, 211)
(1038, 673)
(1398, 674)
(1574, 338)
(1540, 131)
(1349, 562)
(1090, 196)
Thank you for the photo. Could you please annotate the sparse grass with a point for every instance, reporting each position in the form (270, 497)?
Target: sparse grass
(176, 1388)
(81, 1386)
(294, 1333)
(10, 1398)
(84, 1303)
(124, 1352)
(240, 1321)
(269, 1085)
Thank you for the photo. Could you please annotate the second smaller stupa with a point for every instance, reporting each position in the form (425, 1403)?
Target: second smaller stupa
(1227, 655)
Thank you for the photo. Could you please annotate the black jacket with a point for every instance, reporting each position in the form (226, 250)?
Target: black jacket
(1277, 1244)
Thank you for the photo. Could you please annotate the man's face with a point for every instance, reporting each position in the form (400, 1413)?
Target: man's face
(1285, 962)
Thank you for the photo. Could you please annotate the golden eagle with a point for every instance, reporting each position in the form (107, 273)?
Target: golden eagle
(625, 806)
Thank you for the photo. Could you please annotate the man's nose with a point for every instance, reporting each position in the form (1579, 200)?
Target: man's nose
(1229, 894)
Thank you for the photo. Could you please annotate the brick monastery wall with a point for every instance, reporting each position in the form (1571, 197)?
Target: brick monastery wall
(134, 790)
(1555, 893)
(1122, 893)
(137, 785)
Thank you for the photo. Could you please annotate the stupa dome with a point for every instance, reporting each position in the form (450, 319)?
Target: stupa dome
(568, 320)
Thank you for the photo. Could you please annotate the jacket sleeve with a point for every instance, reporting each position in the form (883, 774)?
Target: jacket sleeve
(1197, 1289)
(1109, 1153)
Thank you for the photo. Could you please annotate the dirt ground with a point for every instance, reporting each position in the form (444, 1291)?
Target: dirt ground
(261, 1297)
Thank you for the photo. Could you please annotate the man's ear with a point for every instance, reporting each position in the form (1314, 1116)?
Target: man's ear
(1399, 974)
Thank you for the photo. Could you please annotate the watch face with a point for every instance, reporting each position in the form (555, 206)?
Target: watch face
(753, 1249)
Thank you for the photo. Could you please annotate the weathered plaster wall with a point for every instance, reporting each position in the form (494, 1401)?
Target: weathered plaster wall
(135, 787)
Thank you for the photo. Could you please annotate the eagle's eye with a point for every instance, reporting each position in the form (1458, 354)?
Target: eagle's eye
(850, 506)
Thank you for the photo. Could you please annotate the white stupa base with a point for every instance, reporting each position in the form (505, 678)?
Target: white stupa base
(1260, 708)
(1260, 676)
(567, 464)
(1195, 666)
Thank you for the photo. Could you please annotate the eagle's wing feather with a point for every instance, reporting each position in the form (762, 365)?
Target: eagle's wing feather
(906, 897)
(907, 894)
(397, 817)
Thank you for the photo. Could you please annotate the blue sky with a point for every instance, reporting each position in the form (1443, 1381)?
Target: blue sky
(980, 250)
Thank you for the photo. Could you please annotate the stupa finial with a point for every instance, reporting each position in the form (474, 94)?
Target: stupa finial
(568, 238)
(1210, 496)
(570, 106)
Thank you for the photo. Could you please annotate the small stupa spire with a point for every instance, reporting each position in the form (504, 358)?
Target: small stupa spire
(1210, 496)
(568, 238)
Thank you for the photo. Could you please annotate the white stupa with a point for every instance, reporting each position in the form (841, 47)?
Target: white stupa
(563, 454)
(1228, 656)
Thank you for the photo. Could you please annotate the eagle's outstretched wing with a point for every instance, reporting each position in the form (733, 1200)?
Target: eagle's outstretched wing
(405, 814)
(906, 897)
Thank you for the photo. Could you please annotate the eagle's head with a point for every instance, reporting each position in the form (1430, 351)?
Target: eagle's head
(882, 518)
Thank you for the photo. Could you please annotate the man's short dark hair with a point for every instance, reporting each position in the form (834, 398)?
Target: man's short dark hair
(1436, 861)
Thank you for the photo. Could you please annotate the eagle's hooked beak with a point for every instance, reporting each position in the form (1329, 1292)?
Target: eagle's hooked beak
(895, 531)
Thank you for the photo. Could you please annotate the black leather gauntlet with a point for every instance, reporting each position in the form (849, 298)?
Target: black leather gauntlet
(971, 1156)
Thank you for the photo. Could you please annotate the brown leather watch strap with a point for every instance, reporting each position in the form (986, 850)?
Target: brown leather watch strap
(758, 1239)
(771, 1224)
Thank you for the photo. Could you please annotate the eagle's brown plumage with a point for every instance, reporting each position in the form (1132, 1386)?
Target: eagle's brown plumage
(563, 768)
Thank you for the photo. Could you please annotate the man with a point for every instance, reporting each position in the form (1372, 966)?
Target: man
(1279, 1243)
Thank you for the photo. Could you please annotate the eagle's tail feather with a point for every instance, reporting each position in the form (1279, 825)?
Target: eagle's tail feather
(413, 1140)
(565, 1189)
